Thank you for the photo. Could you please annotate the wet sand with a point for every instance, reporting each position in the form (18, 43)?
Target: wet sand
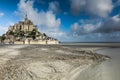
(45, 62)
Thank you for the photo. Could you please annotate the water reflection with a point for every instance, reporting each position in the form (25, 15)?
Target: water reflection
(108, 70)
(92, 73)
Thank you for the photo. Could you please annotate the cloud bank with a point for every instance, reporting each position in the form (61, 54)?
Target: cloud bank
(110, 25)
(100, 8)
(54, 6)
(85, 27)
(46, 19)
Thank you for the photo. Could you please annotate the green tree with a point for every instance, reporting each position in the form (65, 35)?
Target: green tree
(2, 38)
(11, 33)
(44, 34)
(21, 33)
(33, 33)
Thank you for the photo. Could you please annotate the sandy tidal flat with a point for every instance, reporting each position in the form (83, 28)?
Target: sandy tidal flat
(44, 62)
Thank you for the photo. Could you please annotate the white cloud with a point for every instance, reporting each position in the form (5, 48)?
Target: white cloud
(111, 25)
(58, 34)
(84, 27)
(100, 8)
(1, 14)
(107, 31)
(54, 6)
(118, 1)
(4, 27)
(3, 30)
(89, 27)
(46, 19)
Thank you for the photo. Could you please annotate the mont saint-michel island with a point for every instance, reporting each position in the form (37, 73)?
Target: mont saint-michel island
(25, 32)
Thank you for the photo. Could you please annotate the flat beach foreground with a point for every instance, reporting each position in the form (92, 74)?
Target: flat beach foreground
(44, 62)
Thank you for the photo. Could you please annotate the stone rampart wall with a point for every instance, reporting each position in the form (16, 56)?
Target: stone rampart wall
(36, 42)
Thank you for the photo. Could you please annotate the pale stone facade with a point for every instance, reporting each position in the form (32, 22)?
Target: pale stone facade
(25, 32)
(26, 25)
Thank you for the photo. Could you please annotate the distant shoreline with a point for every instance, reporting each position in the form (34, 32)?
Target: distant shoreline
(92, 44)
(76, 44)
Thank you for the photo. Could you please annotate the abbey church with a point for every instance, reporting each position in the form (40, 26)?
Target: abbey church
(25, 32)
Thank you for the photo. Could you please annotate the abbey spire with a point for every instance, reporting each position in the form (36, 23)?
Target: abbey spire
(26, 18)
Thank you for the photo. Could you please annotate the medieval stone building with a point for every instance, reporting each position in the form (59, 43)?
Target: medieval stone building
(25, 32)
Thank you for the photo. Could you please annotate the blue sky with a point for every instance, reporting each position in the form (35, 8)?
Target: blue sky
(66, 20)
